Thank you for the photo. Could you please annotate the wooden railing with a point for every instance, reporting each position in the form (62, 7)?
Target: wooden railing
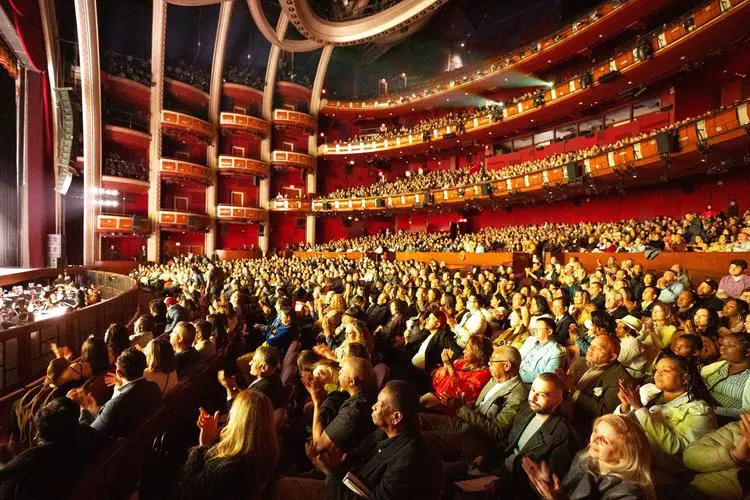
(292, 118)
(235, 165)
(293, 159)
(106, 223)
(186, 123)
(243, 123)
(722, 126)
(184, 170)
(659, 41)
(234, 213)
(170, 219)
(291, 205)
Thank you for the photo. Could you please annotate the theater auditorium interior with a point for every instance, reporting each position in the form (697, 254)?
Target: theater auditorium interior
(382, 249)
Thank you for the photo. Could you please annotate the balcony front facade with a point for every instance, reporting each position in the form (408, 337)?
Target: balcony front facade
(243, 167)
(172, 220)
(287, 205)
(293, 159)
(241, 124)
(181, 125)
(112, 224)
(184, 172)
(712, 26)
(643, 161)
(293, 119)
(239, 214)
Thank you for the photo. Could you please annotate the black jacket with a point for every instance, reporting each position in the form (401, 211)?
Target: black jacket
(555, 442)
(377, 315)
(175, 314)
(562, 329)
(443, 339)
(272, 387)
(241, 478)
(124, 413)
(579, 483)
(187, 359)
(403, 467)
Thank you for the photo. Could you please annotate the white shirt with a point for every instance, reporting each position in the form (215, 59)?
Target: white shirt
(472, 324)
(418, 359)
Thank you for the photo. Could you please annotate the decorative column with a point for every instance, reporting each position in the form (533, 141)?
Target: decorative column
(267, 114)
(312, 140)
(158, 35)
(214, 110)
(88, 47)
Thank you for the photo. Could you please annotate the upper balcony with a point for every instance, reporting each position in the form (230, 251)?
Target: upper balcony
(171, 220)
(122, 224)
(293, 119)
(668, 47)
(461, 86)
(236, 166)
(720, 134)
(286, 205)
(239, 124)
(242, 215)
(184, 172)
(126, 89)
(181, 125)
(127, 136)
(293, 159)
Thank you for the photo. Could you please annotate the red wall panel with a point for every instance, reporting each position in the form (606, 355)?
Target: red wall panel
(237, 236)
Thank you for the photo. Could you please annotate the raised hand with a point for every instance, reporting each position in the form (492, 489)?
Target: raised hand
(741, 451)
(209, 426)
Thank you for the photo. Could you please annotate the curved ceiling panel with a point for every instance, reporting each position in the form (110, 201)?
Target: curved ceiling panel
(264, 26)
(369, 29)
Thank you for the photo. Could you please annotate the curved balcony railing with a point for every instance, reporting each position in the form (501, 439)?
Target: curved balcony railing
(122, 224)
(234, 165)
(243, 124)
(602, 80)
(233, 213)
(293, 159)
(278, 205)
(184, 171)
(173, 121)
(289, 118)
(171, 220)
(589, 28)
(720, 127)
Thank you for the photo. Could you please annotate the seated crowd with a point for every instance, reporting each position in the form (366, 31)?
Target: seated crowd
(31, 302)
(117, 166)
(398, 379)
(294, 75)
(710, 231)
(187, 73)
(421, 180)
(132, 68)
(244, 75)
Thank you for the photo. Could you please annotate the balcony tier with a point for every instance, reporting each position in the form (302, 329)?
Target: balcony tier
(293, 159)
(122, 224)
(295, 119)
(132, 138)
(125, 184)
(671, 46)
(234, 165)
(236, 123)
(184, 172)
(181, 125)
(645, 161)
(170, 220)
(291, 205)
(232, 213)
(126, 89)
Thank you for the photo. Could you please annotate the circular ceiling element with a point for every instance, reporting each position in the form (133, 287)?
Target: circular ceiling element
(386, 23)
(264, 26)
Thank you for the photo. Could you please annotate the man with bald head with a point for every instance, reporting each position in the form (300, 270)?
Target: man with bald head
(594, 383)
(352, 422)
(477, 425)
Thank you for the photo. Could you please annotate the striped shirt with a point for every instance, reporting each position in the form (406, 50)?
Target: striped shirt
(727, 389)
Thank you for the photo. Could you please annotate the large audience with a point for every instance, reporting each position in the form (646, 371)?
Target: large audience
(188, 73)
(421, 180)
(709, 231)
(373, 378)
(117, 166)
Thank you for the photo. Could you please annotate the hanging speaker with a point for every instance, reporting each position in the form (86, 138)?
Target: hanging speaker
(261, 230)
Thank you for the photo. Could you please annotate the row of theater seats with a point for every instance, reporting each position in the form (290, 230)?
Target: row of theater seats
(186, 73)
(244, 75)
(117, 166)
(132, 68)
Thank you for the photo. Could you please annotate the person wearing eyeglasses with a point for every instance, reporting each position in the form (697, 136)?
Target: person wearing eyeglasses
(540, 353)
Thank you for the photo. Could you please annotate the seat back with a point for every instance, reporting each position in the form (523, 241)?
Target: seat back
(381, 374)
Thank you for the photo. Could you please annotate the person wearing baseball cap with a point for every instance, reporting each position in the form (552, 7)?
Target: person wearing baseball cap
(632, 353)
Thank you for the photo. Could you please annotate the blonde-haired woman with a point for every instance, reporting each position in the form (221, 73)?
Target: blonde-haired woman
(616, 464)
(238, 461)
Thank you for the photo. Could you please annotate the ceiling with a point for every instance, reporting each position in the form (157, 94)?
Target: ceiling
(484, 27)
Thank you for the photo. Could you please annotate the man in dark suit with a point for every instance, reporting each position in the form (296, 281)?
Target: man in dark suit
(394, 461)
(563, 320)
(593, 383)
(176, 312)
(182, 339)
(539, 432)
(136, 400)
(427, 349)
(264, 372)
(597, 293)
(487, 420)
(378, 313)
